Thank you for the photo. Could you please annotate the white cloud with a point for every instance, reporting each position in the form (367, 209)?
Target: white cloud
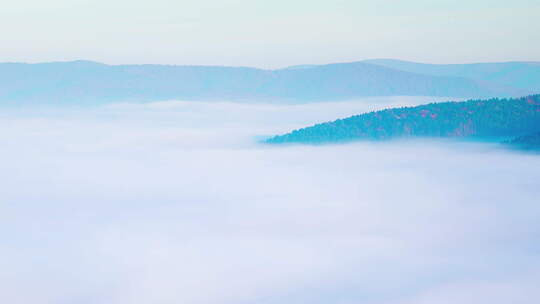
(175, 203)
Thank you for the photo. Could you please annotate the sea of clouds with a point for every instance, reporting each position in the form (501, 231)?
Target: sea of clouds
(176, 202)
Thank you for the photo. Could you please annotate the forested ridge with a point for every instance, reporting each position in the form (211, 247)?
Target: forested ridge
(482, 119)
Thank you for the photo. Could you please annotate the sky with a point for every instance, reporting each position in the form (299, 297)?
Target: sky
(269, 34)
(174, 202)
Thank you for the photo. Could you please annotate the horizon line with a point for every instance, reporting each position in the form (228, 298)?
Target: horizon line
(366, 61)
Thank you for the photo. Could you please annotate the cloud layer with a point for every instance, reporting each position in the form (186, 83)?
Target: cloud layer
(175, 202)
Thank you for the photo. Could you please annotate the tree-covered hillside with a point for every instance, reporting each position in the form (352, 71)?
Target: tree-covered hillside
(488, 119)
(527, 142)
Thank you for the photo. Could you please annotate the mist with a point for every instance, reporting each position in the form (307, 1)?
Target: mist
(177, 202)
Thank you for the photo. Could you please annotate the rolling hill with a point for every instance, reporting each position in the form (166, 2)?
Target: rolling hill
(522, 75)
(86, 82)
(493, 119)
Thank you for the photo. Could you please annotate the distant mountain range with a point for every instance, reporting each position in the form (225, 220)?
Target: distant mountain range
(519, 75)
(90, 82)
(493, 119)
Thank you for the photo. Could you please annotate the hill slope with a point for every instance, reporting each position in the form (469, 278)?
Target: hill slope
(523, 75)
(90, 82)
(494, 118)
(527, 142)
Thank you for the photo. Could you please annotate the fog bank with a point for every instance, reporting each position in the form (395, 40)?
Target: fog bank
(175, 202)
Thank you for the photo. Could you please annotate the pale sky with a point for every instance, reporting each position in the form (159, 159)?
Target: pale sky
(269, 34)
